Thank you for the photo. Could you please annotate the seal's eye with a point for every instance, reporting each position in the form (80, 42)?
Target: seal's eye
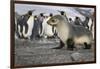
(53, 20)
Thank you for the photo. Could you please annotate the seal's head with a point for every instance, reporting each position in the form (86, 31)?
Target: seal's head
(53, 21)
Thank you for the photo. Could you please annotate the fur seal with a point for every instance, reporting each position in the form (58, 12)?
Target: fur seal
(70, 35)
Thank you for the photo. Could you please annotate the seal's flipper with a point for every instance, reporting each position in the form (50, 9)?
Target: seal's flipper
(70, 44)
(60, 46)
(87, 46)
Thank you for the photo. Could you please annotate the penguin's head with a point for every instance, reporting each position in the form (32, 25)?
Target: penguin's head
(70, 19)
(62, 12)
(51, 14)
(42, 14)
(30, 12)
(54, 20)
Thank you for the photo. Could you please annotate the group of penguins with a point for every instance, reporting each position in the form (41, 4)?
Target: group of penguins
(32, 27)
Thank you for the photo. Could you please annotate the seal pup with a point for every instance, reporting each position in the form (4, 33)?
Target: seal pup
(70, 35)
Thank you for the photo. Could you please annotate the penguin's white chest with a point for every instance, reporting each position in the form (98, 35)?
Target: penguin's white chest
(47, 28)
(30, 23)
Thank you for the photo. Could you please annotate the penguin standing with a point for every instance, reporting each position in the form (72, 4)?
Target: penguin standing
(85, 22)
(17, 34)
(63, 13)
(48, 31)
(40, 21)
(35, 30)
(71, 21)
(24, 24)
(78, 21)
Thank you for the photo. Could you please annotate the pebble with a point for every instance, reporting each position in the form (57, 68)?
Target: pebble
(77, 57)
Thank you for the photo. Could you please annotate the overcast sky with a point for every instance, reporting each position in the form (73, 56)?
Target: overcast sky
(70, 11)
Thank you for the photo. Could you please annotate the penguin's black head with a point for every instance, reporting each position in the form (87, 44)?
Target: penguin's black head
(62, 12)
(41, 14)
(87, 17)
(70, 19)
(29, 12)
(77, 17)
(35, 16)
(51, 14)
